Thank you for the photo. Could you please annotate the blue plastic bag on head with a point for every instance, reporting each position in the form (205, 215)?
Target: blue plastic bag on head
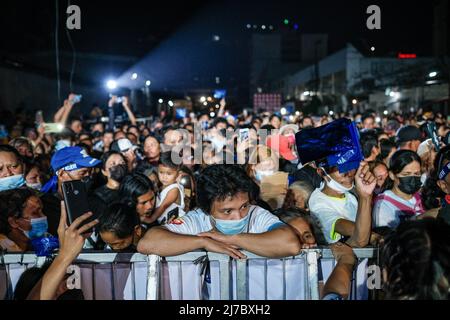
(334, 144)
(45, 246)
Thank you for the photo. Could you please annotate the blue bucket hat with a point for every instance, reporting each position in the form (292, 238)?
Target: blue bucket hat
(73, 158)
(68, 159)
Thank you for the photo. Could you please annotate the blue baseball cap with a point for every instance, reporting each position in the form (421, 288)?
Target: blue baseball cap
(72, 158)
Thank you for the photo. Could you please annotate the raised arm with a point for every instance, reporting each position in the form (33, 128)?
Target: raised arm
(66, 109)
(71, 243)
(360, 230)
(111, 116)
(223, 104)
(365, 184)
(127, 106)
(57, 118)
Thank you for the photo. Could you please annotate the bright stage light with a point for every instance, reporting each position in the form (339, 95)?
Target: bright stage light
(111, 84)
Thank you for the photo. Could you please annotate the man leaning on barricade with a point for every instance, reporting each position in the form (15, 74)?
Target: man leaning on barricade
(215, 184)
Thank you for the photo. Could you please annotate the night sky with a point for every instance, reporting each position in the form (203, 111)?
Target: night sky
(135, 28)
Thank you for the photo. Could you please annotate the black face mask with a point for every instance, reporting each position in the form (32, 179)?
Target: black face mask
(410, 185)
(87, 182)
(117, 173)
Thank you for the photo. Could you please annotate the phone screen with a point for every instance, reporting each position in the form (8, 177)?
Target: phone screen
(75, 200)
(39, 118)
(53, 127)
(180, 113)
(243, 134)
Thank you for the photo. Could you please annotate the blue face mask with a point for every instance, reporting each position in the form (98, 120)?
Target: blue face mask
(11, 182)
(39, 228)
(232, 227)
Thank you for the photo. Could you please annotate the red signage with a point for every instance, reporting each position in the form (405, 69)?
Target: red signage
(407, 55)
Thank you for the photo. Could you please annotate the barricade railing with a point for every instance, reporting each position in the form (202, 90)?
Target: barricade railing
(108, 275)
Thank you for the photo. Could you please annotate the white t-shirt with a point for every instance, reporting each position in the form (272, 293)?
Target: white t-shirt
(196, 221)
(327, 210)
(387, 214)
(162, 196)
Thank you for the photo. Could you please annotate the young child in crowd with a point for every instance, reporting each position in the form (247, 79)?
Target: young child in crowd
(170, 201)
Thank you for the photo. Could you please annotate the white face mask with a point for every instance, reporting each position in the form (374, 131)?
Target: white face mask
(336, 186)
(35, 186)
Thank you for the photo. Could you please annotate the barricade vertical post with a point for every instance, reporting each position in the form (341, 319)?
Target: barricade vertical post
(312, 257)
(152, 277)
(224, 273)
(241, 278)
(40, 261)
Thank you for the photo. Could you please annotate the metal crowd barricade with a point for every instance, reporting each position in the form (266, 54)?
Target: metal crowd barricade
(107, 275)
(104, 275)
(235, 282)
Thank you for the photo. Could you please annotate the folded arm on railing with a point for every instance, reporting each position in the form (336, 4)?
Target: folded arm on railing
(165, 243)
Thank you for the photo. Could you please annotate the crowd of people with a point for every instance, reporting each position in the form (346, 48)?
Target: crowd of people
(229, 183)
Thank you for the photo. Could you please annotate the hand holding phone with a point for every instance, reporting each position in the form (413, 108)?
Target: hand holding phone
(76, 201)
(71, 238)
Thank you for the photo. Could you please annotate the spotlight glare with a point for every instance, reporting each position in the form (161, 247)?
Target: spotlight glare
(283, 111)
(170, 103)
(432, 74)
(134, 76)
(160, 100)
(385, 112)
(111, 84)
(148, 83)
(354, 101)
(212, 114)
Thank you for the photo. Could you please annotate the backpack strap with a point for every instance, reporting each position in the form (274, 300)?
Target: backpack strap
(402, 207)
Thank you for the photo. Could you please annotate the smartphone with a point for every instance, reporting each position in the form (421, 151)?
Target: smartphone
(431, 128)
(76, 201)
(243, 134)
(53, 127)
(219, 94)
(180, 113)
(39, 118)
(205, 125)
(77, 98)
